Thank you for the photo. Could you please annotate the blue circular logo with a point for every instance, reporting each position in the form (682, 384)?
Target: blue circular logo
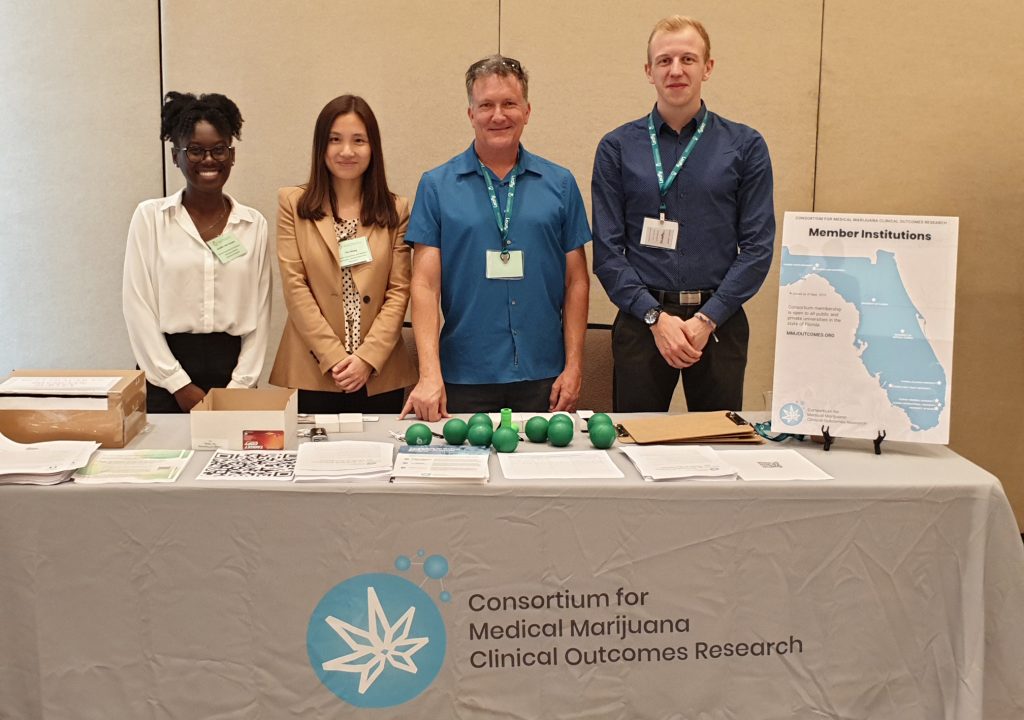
(376, 640)
(791, 414)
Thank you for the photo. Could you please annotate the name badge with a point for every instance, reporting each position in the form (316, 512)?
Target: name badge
(659, 233)
(355, 251)
(227, 248)
(505, 264)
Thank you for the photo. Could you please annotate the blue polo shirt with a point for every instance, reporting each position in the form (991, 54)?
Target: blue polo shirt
(500, 331)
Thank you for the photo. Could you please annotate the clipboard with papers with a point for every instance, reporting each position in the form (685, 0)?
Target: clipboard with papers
(722, 427)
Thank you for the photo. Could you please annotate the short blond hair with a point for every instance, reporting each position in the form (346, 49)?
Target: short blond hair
(675, 23)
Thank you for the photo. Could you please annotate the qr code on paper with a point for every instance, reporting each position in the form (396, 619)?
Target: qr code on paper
(250, 465)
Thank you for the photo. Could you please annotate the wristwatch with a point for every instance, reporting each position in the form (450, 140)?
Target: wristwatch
(652, 315)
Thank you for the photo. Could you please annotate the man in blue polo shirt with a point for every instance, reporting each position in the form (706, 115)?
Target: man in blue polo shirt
(498, 236)
(684, 227)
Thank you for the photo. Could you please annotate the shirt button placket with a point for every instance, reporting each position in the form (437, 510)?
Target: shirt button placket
(210, 271)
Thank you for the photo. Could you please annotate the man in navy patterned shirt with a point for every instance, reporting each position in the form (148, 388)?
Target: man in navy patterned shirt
(684, 229)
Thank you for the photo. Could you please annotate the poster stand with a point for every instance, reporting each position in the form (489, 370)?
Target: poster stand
(829, 439)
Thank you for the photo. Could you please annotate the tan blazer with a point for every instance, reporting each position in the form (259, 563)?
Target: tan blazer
(311, 281)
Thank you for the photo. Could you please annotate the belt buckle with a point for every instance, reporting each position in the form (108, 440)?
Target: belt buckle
(690, 297)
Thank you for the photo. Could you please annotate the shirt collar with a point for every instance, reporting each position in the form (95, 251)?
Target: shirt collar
(468, 162)
(659, 124)
(239, 213)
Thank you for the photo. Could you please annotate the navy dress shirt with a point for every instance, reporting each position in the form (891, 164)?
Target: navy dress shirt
(722, 200)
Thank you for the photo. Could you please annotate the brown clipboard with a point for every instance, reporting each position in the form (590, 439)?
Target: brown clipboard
(711, 428)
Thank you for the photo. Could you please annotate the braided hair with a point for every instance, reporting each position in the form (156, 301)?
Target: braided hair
(181, 112)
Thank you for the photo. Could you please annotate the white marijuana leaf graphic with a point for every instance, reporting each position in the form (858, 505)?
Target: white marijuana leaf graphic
(791, 413)
(376, 647)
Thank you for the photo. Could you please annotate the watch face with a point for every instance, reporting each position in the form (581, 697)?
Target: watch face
(651, 316)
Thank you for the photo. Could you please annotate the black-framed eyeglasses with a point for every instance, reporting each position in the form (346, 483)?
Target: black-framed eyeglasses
(196, 154)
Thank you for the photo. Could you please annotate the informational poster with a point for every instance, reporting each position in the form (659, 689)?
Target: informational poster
(864, 342)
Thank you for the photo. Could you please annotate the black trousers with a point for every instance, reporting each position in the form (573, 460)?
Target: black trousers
(331, 403)
(644, 382)
(525, 396)
(208, 359)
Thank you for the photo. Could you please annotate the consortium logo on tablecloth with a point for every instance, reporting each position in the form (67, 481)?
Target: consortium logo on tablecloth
(377, 639)
(791, 414)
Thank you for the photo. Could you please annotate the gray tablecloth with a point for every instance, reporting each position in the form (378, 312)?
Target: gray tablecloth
(894, 591)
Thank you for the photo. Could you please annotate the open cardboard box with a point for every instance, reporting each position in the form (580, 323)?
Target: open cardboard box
(112, 418)
(241, 419)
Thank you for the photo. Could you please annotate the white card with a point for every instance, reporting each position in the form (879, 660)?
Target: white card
(660, 233)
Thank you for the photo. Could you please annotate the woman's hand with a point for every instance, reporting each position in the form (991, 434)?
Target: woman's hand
(189, 396)
(351, 373)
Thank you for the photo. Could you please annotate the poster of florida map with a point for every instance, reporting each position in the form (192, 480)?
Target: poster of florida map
(864, 341)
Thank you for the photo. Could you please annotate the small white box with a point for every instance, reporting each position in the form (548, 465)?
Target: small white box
(350, 422)
(340, 423)
(241, 419)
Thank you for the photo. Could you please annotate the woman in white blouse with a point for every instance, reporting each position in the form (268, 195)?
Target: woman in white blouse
(196, 290)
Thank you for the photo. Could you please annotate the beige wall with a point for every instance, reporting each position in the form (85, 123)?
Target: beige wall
(920, 116)
(80, 149)
(917, 114)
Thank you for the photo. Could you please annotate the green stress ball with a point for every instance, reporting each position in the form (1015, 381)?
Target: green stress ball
(480, 434)
(598, 419)
(559, 433)
(483, 418)
(560, 418)
(455, 431)
(505, 440)
(418, 434)
(602, 435)
(537, 429)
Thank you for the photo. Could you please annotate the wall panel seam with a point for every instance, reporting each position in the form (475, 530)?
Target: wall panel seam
(817, 119)
(160, 61)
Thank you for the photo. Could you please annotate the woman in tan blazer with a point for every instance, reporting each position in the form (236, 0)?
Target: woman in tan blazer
(345, 272)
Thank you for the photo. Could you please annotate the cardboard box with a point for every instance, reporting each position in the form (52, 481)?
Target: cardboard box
(238, 419)
(112, 419)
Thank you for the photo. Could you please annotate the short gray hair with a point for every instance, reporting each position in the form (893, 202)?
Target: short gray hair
(497, 65)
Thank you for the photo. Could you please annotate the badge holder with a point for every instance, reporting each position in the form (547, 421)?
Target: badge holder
(505, 264)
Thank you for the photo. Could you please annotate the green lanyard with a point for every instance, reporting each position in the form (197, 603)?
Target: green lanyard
(502, 221)
(663, 183)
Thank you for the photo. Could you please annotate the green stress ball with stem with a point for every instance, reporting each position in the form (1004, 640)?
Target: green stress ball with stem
(455, 431)
(560, 433)
(418, 434)
(480, 434)
(537, 429)
(481, 418)
(599, 419)
(602, 435)
(505, 440)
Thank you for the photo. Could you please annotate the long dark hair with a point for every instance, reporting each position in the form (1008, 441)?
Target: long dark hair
(378, 201)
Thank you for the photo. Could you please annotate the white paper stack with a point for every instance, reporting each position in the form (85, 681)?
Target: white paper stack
(42, 463)
(344, 461)
(584, 464)
(56, 393)
(442, 464)
(133, 466)
(657, 463)
(782, 464)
